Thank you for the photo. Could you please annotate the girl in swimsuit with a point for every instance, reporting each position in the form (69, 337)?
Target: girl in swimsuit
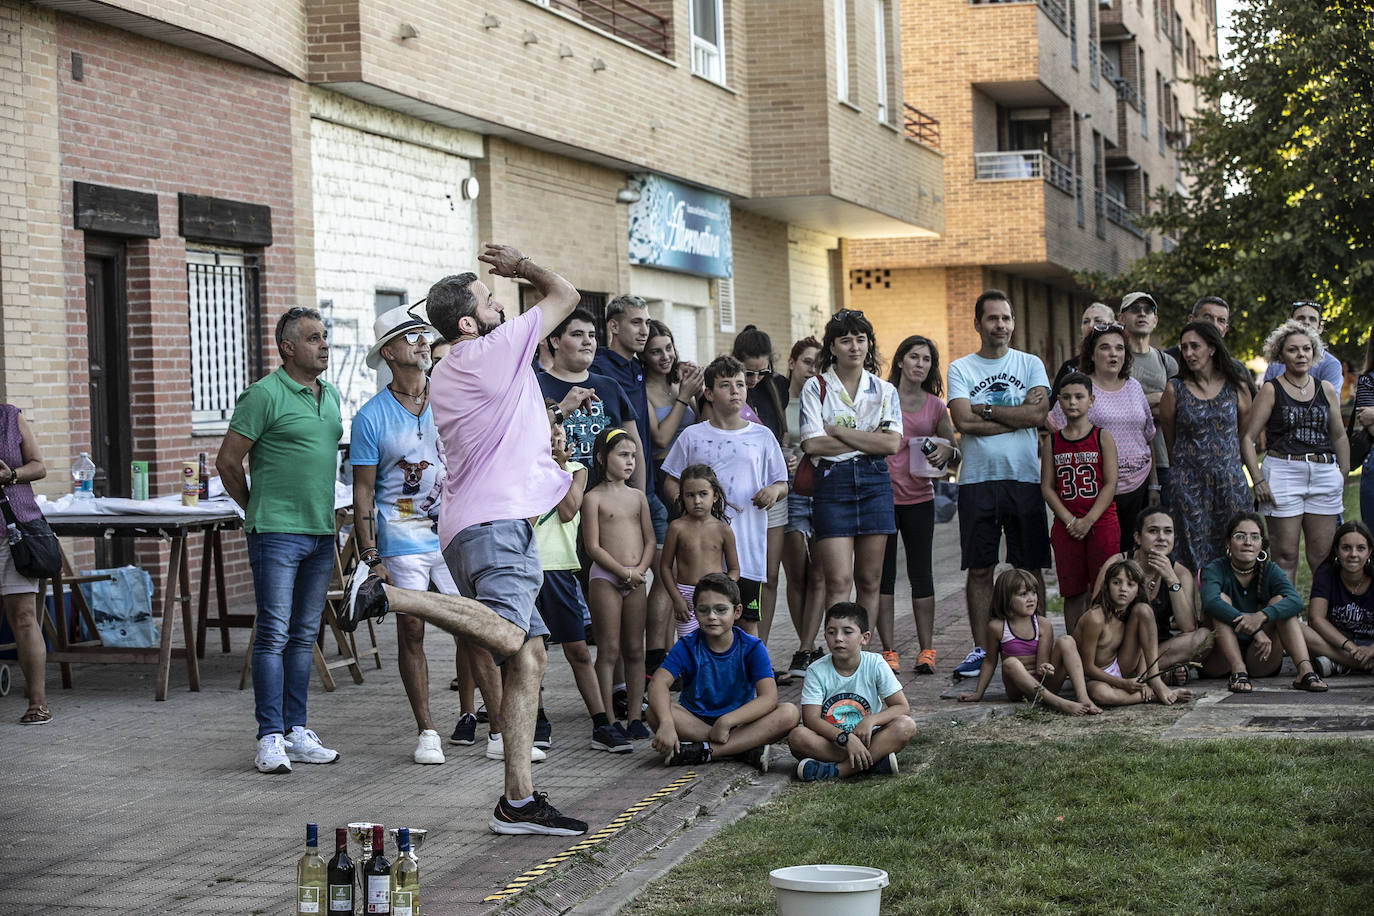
(1117, 640)
(1034, 663)
(619, 538)
(699, 541)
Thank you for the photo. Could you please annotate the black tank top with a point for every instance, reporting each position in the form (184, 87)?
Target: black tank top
(1299, 427)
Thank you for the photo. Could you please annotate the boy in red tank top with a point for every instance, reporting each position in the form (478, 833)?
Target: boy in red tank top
(1078, 472)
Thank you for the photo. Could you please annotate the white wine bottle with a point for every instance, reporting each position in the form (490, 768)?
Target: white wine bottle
(377, 878)
(310, 879)
(405, 878)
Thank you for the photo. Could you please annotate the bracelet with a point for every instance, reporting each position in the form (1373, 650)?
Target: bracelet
(1154, 487)
(516, 271)
(683, 403)
(1343, 645)
(371, 550)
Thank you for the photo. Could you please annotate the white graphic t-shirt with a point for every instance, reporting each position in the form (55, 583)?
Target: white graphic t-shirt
(405, 450)
(1000, 382)
(845, 701)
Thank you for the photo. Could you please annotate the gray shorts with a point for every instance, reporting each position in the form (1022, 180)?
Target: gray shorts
(497, 563)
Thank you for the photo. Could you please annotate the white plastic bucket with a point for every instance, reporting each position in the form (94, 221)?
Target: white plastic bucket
(828, 890)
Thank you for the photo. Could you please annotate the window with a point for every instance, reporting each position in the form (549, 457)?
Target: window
(880, 44)
(708, 39)
(226, 350)
(842, 50)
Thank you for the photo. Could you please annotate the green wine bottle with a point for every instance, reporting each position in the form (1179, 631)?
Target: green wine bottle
(310, 879)
(405, 878)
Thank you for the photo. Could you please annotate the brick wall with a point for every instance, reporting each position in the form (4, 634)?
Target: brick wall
(900, 303)
(812, 285)
(156, 118)
(762, 288)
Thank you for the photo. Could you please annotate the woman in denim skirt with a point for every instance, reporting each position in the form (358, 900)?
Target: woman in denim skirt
(848, 432)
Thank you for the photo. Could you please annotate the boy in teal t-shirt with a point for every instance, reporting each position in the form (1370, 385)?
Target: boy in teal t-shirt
(855, 716)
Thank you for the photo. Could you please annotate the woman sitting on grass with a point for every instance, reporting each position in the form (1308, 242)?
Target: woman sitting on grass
(1340, 614)
(1034, 663)
(1252, 604)
(1120, 647)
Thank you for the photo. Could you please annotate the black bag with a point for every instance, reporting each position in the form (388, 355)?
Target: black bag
(32, 544)
(1359, 438)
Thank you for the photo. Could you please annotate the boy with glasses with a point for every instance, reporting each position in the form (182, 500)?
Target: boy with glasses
(729, 705)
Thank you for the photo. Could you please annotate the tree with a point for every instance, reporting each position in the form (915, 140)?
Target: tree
(1281, 158)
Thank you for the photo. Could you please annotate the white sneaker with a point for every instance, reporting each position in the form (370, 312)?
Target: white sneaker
(271, 756)
(428, 750)
(303, 746)
(496, 749)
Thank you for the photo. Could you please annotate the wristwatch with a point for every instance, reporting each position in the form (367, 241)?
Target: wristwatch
(1175, 587)
(557, 413)
(842, 739)
(987, 411)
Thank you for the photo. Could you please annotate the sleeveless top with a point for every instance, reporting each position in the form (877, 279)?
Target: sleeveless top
(1078, 473)
(1299, 427)
(20, 495)
(1015, 645)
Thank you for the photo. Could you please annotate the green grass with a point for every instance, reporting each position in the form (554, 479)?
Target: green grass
(988, 820)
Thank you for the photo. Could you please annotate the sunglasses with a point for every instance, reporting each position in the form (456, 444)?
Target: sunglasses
(414, 337)
(1305, 302)
(760, 374)
(1147, 307)
(842, 314)
(1108, 327)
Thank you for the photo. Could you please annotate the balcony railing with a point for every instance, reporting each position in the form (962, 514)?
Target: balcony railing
(1109, 71)
(1078, 195)
(1126, 93)
(1018, 165)
(1159, 132)
(1094, 68)
(1144, 117)
(1118, 214)
(1099, 214)
(921, 127)
(621, 18)
(1055, 9)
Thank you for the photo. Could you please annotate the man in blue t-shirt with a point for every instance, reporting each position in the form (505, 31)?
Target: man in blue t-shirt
(998, 398)
(395, 453)
(729, 701)
(585, 402)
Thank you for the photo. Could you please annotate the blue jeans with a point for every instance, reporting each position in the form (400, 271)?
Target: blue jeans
(291, 579)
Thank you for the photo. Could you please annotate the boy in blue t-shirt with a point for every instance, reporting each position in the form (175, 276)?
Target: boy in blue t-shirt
(855, 716)
(729, 705)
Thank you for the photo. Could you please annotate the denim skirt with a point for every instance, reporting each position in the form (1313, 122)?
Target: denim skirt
(853, 498)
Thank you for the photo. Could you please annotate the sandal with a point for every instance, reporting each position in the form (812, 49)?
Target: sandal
(41, 715)
(1310, 682)
(1239, 682)
(454, 685)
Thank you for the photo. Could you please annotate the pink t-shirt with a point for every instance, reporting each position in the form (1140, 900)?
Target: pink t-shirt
(495, 430)
(908, 490)
(1126, 415)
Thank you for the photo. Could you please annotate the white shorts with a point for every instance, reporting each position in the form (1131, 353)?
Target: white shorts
(416, 571)
(12, 582)
(777, 514)
(1302, 487)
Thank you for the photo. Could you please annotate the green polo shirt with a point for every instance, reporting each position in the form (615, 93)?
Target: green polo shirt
(294, 457)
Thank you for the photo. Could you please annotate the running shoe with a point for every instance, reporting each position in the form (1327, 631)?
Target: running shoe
(428, 749)
(271, 756)
(607, 738)
(812, 770)
(893, 660)
(971, 663)
(465, 732)
(885, 765)
(638, 731)
(543, 734)
(689, 753)
(366, 598)
(303, 746)
(536, 817)
(800, 659)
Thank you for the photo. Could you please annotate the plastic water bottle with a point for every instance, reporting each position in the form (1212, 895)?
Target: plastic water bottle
(83, 477)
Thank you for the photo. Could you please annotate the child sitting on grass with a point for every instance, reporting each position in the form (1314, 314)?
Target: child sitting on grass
(1034, 663)
(698, 542)
(855, 716)
(1118, 640)
(728, 706)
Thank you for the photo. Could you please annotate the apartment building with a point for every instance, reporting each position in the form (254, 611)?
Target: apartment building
(1058, 119)
(179, 172)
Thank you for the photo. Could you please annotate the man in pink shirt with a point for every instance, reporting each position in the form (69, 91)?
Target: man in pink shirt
(501, 477)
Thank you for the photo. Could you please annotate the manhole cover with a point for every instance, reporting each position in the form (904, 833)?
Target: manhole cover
(1312, 723)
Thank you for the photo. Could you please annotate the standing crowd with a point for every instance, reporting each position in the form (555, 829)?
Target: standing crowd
(529, 486)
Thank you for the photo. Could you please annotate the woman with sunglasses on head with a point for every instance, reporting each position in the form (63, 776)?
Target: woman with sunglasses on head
(1203, 414)
(1254, 610)
(1303, 478)
(1120, 407)
(767, 396)
(1340, 611)
(848, 430)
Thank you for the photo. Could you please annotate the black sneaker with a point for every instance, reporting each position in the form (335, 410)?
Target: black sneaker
(482, 714)
(690, 753)
(543, 734)
(609, 738)
(800, 659)
(816, 655)
(538, 817)
(620, 700)
(465, 732)
(638, 731)
(757, 757)
(366, 598)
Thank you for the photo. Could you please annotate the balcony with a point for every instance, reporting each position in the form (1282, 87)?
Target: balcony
(1119, 215)
(1057, 12)
(1126, 93)
(1109, 71)
(1094, 64)
(921, 127)
(1100, 213)
(622, 18)
(1023, 165)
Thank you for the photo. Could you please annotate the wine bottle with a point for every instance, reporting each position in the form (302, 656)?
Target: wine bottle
(377, 878)
(405, 878)
(310, 875)
(341, 875)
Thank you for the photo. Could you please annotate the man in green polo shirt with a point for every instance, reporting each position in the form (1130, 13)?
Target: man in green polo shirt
(288, 427)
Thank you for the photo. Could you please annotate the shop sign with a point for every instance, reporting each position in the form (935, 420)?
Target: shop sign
(677, 227)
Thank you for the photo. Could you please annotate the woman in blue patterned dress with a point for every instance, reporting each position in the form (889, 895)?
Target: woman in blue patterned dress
(1203, 413)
